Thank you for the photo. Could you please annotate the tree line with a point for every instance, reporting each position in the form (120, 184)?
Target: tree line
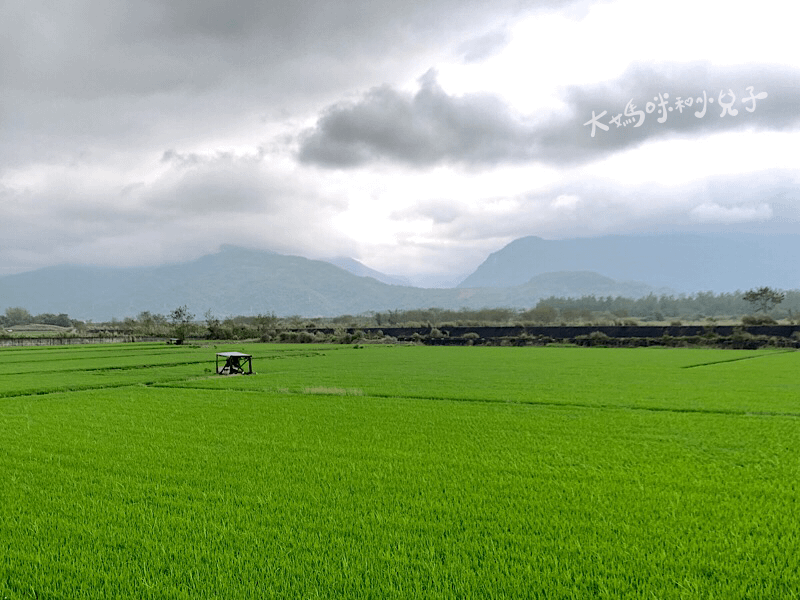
(702, 305)
(666, 307)
(20, 316)
(758, 305)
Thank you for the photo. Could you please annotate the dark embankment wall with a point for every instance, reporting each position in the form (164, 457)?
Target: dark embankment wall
(569, 332)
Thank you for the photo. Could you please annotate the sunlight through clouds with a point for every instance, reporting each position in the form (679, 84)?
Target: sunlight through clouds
(411, 137)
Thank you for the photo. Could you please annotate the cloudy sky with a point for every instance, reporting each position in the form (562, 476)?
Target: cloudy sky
(416, 137)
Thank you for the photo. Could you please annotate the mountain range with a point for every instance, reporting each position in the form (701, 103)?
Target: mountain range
(681, 262)
(240, 281)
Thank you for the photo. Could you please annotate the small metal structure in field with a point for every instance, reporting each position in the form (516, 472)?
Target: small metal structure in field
(235, 363)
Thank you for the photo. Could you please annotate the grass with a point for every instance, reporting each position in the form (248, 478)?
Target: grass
(654, 378)
(401, 472)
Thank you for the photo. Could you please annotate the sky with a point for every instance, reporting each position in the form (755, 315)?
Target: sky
(415, 137)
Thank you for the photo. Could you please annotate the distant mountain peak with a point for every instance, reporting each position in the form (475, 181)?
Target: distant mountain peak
(361, 270)
(241, 281)
(234, 249)
(682, 262)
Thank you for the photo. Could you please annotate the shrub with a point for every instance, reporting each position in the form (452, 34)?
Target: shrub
(595, 338)
(751, 320)
(304, 337)
(543, 313)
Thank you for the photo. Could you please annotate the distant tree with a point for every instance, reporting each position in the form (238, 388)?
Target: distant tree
(265, 323)
(213, 324)
(18, 316)
(764, 299)
(181, 320)
(125, 326)
(574, 315)
(145, 321)
(495, 315)
(62, 320)
(542, 313)
(151, 324)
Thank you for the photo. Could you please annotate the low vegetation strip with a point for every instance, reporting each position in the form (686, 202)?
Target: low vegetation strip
(315, 477)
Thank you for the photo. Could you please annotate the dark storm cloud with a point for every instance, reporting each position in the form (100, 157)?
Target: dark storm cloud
(426, 128)
(90, 48)
(432, 127)
(89, 75)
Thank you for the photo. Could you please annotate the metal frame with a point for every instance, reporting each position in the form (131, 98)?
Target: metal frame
(235, 363)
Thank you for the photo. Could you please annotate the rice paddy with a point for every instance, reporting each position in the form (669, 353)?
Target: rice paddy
(133, 471)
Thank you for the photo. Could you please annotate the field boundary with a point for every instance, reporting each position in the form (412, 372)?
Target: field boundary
(366, 394)
(74, 341)
(729, 360)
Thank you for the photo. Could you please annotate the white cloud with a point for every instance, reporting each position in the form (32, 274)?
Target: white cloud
(155, 131)
(566, 203)
(711, 212)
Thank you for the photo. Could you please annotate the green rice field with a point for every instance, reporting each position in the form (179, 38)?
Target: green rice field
(134, 471)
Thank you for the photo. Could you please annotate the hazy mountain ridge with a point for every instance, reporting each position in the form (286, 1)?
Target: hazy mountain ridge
(584, 283)
(360, 269)
(681, 262)
(241, 281)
